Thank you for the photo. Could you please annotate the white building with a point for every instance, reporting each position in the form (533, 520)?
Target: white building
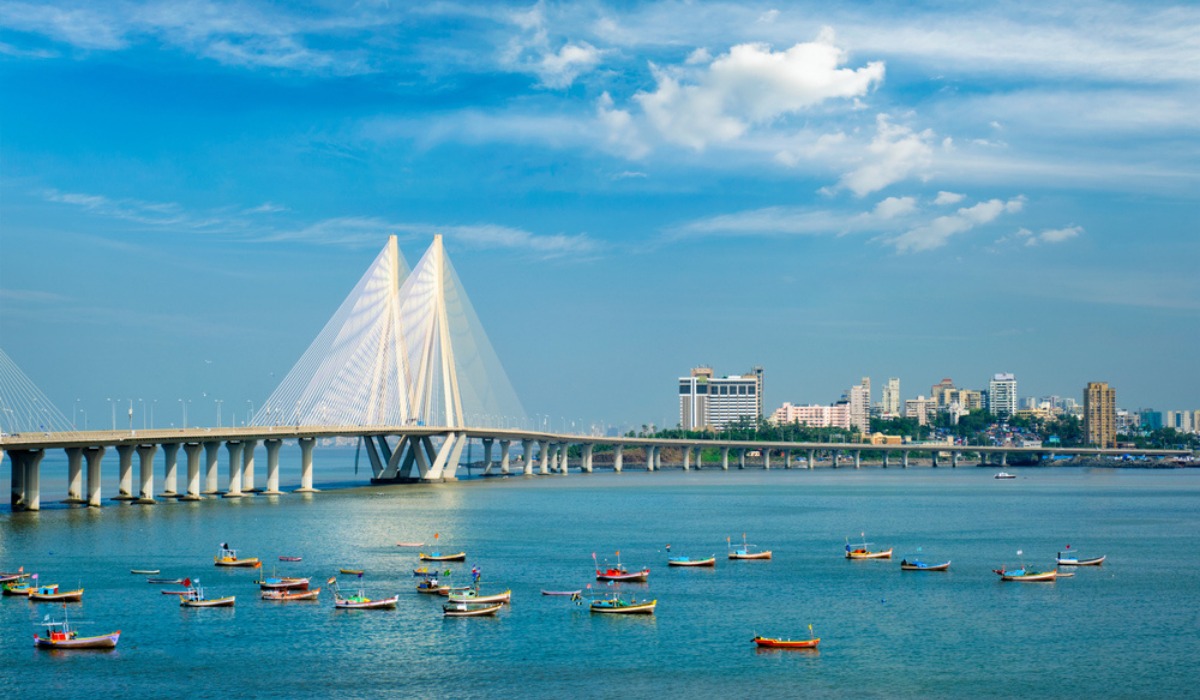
(708, 402)
(921, 408)
(859, 397)
(814, 416)
(1002, 395)
(890, 403)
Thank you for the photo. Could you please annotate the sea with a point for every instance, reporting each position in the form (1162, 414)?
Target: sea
(1129, 628)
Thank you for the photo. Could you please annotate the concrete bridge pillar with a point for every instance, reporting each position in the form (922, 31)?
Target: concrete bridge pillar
(858, 459)
(527, 457)
(74, 475)
(587, 457)
(954, 459)
(904, 459)
(212, 450)
(248, 466)
(235, 448)
(618, 452)
(31, 493)
(487, 455)
(15, 481)
(742, 458)
(700, 457)
(94, 456)
(273, 445)
(543, 457)
(1004, 459)
(125, 472)
(787, 459)
(192, 450)
(306, 465)
(504, 463)
(766, 459)
(812, 458)
(651, 457)
(566, 453)
(886, 454)
(146, 462)
(687, 459)
(170, 469)
(725, 459)
(935, 459)
(833, 458)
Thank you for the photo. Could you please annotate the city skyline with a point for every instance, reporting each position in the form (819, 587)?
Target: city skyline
(626, 191)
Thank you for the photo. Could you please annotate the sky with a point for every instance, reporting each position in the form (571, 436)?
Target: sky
(627, 190)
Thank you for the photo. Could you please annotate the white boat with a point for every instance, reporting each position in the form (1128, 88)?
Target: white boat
(1004, 475)
(471, 595)
(60, 635)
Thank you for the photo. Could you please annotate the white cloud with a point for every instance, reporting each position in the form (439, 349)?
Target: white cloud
(893, 207)
(694, 105)
(559, 70)
(533, 51)
(945, 198)
(935, 233)
(1058, 235)
(894, 154)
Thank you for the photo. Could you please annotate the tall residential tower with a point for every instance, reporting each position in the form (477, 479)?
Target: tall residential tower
(1100, 414)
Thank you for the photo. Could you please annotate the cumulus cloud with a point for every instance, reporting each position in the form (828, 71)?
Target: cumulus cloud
(534, 52)
(936, 233)
(945, 198)
(893, 207)
(1046, 236)
(704, 102)
(894, 154)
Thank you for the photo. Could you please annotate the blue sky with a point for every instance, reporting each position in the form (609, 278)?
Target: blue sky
(830, 190)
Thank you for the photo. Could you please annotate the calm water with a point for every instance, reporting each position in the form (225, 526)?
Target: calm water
(1130, 628)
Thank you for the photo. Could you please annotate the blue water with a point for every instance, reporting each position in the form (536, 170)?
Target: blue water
(1130, 628)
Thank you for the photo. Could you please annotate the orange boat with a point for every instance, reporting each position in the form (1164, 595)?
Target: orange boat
(773, 643)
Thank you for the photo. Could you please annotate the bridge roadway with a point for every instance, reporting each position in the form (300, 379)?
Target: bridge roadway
(413, 450)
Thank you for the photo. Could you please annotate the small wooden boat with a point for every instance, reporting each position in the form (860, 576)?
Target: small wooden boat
(687, 561)
(51, 594)
(145, 572)
(173, 592)
(619, 572)
(194, 597)
(1024, 574)
(410, 544)
(747, 550)
(450, 590)
(1070, 558)
(432, 586)
(352, 572)
(862, 550)
(470, 609)
(1004, 475)
(291, 558)
(60, 635)
(775, 643)
(616, 605)
(11, 576)
(438, 556)
(165, 581)
(228, 557)
(361, 602)
(918, 565)
(17, 588)
(283, 583)
(286, 595)
(472, 595)
(575, 592)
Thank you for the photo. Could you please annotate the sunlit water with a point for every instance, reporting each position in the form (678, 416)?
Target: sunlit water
(1129, 628)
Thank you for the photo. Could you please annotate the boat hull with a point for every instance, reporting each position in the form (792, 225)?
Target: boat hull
(711, 561)
(925, 567)
(470, 610)
(62, 597)
(635, 576)
(249, 563)
(607, 607)
(861, 554)
(226, 602)
(771, 643)
(284, 584)
(504, 597)
(1032, 577)
(1095, 561)
(285, 596)
(750, 555)
(383, 604)
(145, 572)
(459, 556)
(102, 641)
(563, 593)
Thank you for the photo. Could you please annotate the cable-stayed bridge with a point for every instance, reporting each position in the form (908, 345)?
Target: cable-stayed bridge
(398, 366)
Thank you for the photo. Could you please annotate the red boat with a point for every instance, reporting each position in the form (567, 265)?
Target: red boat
(619, 573)
(773, 643)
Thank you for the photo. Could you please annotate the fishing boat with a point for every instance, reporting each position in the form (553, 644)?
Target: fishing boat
(60, 635)
(918, 565)
(145, 572)
(359, 601)
(470, 609)
(410, 544)
(10, 576)
(1071, 558)
(862, 550)
(283, 595)
(432, 586)
(273, 583)
(619, 573)
(51, 594)
(194, 597)
(687, 561)
(352, 572)
(164, 581)
(17, 588)
(1023, 574)
(1004, 475)
(615, 604)
(437, 555)
(472, 595)
(746, 550)
(291, 558)
(573, 593)
(228, 557)
(776, 643)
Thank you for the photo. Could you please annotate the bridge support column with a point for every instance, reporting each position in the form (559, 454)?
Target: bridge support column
(725, 459)
(699, 458)
(954, 459)
(766, 459)
(74, 475)
(170, 469)
(812, 458)
(742, 458)
(651, 457)
(886, 453)
(1004, 459)
(935, 459)
(124, 473)
(17, 482)
(248, 467)
(306, 476)
(858, 459)
(94, 457)
(555, 450)
(235, 469)
(487, 455)
(544, 454)
(192, 450)
(618, 451)
(904, 459)
(146, 462)
(834, 458)
(272, 446)
(587, 458)
(28, 462)
(504, 461)
(527, 457)
(687, 459)
(212, 451)
(787, 459)
(565, 453)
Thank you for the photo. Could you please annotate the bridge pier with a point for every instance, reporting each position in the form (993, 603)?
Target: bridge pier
(146, 462)
(94, 456)
(934, 454)
(273, 445)
(834, 458)
(26, 479)
(651, 456)
(527, 457)
(812, 458)
(504, 460)
(124, 473)
(725, 459)
(687, 459)
(787, 459)
(212, 450)
(192, 450)
(618, 451)
(699, 458)
(766, 459)
(248, 466)
(1004, 459)
(555, 454)
(565, 453)
(858, 459)
(235, 469)
(886, 454)
(74, 475)
(587, 458)
(306, 476)
(904, 458)
(544, 454)
(954, 459)
(742, 458)
(170, 468)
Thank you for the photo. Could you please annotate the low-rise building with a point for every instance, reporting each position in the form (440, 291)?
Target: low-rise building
(813, 415)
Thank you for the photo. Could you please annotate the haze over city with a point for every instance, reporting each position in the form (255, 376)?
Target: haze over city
(626, 192)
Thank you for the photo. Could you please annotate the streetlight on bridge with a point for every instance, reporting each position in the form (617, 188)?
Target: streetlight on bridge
(113, 405)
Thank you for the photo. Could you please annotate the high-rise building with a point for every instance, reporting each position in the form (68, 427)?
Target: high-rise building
(891, 398)
(938, 391)
(1100, 414)
(757, 372)
(1002, 395)
(859, 398)
(921, 408)
(708, 402)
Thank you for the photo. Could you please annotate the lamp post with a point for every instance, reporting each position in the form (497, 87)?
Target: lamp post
(183, 408)
(131, 415)
(84, 412)
(142, 408)
(152, 413)
(113, 405)
(250, 413)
